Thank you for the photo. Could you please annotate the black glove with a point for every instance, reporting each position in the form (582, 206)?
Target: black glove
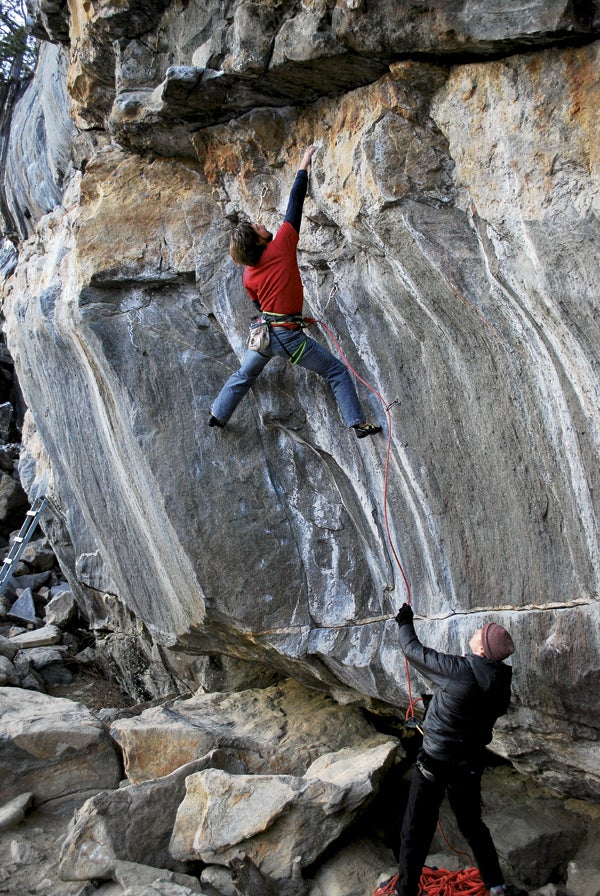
(404, 614)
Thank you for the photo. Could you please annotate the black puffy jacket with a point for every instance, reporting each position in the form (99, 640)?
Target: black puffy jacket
(471, 693)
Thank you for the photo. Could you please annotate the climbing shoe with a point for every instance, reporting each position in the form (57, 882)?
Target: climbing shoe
(214, 421)
(363, 430)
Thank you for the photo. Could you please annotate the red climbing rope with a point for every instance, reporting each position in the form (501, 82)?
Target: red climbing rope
(433, 881)
(441, 882)
(386, 406)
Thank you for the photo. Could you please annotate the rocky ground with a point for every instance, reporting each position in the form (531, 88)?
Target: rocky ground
(98, 842)
(30, 851)
(56, 660)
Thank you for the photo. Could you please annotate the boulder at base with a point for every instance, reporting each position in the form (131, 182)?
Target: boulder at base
(274, 818)
(52, 747)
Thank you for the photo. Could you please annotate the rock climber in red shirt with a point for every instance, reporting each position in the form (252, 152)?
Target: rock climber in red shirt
(272, 280)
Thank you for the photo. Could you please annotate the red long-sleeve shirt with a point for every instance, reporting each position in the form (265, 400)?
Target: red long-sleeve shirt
(275, 281)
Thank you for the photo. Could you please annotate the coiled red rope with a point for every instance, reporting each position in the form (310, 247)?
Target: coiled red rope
(441, 882)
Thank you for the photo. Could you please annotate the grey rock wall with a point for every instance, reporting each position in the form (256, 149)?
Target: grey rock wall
(37, 140)
(449, 244)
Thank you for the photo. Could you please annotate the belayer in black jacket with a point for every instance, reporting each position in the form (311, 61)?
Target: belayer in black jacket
(471, 693)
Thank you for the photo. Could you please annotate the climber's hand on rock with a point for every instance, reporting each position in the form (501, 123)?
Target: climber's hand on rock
(306, 158)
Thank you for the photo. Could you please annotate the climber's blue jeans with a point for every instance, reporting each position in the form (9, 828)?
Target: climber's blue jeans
(284, 342)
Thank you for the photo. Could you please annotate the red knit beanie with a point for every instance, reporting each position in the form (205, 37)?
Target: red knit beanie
(497, 642)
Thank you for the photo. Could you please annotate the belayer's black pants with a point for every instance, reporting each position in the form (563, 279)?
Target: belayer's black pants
(463, 786)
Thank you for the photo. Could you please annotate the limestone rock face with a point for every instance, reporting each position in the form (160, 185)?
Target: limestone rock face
(37, 141)
(449, 245)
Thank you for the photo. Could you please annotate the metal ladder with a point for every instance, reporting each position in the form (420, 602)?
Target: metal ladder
(21, 541)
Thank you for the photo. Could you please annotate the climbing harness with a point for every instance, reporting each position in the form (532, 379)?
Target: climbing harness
(297, 353)
(291, 322)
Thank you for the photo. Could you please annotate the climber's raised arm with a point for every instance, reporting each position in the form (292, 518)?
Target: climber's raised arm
(293, 214)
